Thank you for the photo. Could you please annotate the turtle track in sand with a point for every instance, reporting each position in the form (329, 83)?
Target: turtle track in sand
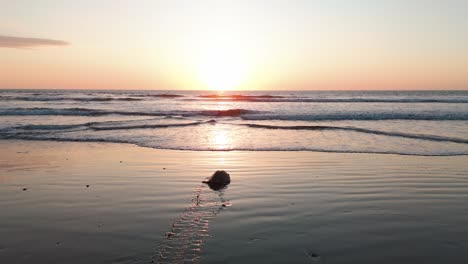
(188, 233)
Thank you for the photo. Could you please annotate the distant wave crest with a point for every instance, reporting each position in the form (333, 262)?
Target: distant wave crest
(161, 95)
(296, 99)
(78, 99)
(40, 111)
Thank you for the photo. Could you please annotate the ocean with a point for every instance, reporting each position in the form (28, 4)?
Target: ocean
(427, 123)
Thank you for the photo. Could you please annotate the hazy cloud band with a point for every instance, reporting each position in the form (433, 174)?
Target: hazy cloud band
(19, 42)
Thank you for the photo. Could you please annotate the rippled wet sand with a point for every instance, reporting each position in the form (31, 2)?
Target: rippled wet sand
(114, 203)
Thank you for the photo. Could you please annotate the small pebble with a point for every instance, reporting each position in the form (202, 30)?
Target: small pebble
(120, 161)
(87, 185)
(169, 235)
(24, 189)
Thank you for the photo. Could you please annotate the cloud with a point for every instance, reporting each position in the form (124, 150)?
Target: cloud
(19, 42)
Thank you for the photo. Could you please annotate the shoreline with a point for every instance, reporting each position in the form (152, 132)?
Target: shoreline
(235, 150)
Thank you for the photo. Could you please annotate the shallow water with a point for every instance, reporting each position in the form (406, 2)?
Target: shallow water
(286, 207)
(393, 122)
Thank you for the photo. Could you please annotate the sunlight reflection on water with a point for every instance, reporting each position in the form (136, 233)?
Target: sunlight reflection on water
(221, 139)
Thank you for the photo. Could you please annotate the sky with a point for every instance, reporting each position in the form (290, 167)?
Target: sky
(230, 45)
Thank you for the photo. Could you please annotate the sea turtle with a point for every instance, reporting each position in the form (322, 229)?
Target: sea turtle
(218, 180)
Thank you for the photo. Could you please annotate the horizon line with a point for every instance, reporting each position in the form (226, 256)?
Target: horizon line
(234, 90)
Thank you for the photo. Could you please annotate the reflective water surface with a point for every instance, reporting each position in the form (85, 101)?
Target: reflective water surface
(113, 203)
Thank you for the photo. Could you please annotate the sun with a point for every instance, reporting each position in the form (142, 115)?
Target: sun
(221, 72)
(222, 68)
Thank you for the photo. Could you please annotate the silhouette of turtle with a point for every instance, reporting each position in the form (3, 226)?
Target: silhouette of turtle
(219, 180)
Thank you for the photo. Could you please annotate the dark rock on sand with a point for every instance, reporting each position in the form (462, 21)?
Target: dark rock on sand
(218, 180)
(24, 189)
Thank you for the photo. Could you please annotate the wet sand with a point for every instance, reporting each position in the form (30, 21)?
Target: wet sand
(64, 202)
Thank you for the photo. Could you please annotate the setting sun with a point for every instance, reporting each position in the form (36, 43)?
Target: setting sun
(221, 71)
(222, 64)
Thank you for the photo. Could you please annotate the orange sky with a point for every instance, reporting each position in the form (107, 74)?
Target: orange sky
(234, 45)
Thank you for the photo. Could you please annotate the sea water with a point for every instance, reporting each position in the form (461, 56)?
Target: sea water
(431, 123)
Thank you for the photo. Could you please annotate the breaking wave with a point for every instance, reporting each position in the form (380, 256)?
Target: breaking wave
(390, 115)
(229, 112)
(98, 126)
(366, 131)
(68, 133)
(39, 111)
(155, 146)
(78, 99)
(245, 114)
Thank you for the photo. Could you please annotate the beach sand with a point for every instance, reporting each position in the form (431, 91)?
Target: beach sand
(65, 202)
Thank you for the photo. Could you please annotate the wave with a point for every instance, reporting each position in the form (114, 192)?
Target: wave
(292, 99)
(107, 125)
(441, 116)
(62, 133)
(147, 126)
(228, 112)
(98, 126)
(166, 95)
(162, 95)
(46, 127)
(49, 137)
(238, 96)
(40, 111)
(363, 130)
(78, 99)
(244, 114)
